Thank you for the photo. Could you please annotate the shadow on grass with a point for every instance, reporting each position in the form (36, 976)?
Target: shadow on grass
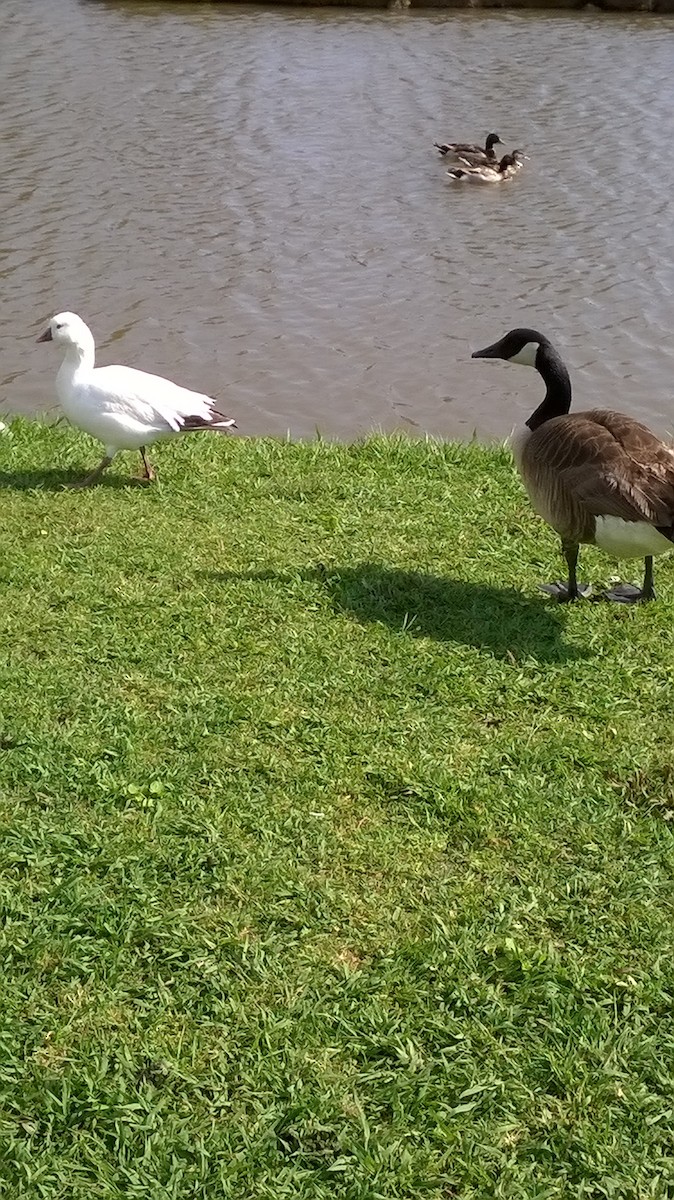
(501, 620)
(57, 479)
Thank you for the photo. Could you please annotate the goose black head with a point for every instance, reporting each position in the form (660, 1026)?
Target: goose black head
(493, 139)
(519, 346)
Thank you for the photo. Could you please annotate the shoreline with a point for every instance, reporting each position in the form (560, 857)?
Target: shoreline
(655, 7)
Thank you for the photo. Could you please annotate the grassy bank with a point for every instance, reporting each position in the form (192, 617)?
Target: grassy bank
(336, 861)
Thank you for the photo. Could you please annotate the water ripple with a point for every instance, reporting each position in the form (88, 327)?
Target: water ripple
(247, 200)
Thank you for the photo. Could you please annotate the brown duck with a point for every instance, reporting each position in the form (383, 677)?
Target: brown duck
(598, 477)
(471, 152)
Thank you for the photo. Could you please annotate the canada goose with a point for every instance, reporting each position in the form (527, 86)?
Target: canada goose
(505, 169)
(596, 477)
(480, 154)
(124, 408)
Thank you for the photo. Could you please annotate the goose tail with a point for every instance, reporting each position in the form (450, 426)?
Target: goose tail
(215, 421)
(220, 422)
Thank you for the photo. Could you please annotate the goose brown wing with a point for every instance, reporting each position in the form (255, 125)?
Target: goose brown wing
(606, 464)
(636, 439)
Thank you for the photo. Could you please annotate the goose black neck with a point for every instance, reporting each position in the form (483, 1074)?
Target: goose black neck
(557, 399)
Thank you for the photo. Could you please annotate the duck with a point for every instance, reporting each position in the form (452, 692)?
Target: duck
(597, 478)
(517, 159)
(122, 407)
(477, 154)
(505, 169)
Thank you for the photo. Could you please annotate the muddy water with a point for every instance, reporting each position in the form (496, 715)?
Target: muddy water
(247, 200)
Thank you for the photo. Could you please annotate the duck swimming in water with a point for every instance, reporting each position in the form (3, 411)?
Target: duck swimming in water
(477, 155)
(504, 170)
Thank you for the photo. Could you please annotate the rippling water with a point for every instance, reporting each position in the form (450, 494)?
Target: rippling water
(247, 200)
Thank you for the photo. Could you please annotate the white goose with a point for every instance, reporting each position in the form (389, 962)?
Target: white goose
(124, 408)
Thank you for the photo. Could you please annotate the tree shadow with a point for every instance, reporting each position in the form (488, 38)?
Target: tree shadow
(503, 621)
(58, 479)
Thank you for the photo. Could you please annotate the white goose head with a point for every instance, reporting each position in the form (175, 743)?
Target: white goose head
(69, 331)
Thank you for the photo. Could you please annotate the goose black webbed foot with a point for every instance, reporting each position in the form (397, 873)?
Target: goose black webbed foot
(628, 593)
(564, 594)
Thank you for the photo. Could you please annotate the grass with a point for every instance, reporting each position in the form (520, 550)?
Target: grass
(335, 860)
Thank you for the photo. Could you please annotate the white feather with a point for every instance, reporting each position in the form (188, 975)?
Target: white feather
(629, 539)
(481, 176)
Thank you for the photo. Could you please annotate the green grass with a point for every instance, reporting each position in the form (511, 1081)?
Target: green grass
(336, 861)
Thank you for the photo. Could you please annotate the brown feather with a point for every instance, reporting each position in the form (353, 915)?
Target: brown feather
(598, 463)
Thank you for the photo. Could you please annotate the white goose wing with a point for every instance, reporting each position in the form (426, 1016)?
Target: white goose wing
(152, 400)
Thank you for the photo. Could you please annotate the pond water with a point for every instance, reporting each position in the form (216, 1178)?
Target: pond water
(247, 200)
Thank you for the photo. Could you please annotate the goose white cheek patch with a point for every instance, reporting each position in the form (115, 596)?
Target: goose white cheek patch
(526, 356)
